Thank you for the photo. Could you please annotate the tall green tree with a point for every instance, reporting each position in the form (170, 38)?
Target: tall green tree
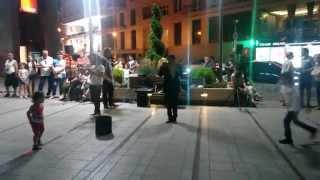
(156, 47)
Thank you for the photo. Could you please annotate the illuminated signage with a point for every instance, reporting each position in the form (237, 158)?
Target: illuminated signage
(29, 6)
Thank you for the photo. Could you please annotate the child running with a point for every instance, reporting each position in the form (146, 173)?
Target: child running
(35, 116)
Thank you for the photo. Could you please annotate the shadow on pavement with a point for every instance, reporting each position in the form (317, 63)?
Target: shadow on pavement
(18, 162)
(311, 152)
(105, 138)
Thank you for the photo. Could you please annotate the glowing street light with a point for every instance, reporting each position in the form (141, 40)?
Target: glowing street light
(59, 30)
(199, 33)
(114, 34)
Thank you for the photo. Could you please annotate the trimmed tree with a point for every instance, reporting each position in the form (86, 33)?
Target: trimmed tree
(156, 47)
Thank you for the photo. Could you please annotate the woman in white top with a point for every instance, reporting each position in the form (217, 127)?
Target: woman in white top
(33, 73)
(23, 74)
(11, 78)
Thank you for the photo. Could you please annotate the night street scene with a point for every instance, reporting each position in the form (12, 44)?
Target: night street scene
(159, 90)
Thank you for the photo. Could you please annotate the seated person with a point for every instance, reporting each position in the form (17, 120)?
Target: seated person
(85, 94)
(71, 86)
(242, 93)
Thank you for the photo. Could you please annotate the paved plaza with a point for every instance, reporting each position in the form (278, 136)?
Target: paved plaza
(208, 143)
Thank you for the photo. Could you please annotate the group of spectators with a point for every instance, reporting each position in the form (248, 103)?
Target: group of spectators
(45, 70)
(68, 77)
(308, 75)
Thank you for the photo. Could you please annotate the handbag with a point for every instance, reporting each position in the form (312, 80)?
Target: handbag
(316, 72)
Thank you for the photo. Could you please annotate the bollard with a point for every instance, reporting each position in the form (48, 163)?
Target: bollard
(103, 125)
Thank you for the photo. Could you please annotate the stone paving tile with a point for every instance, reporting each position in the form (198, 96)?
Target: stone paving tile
(228, 175)
(231, 147)
(82, 175)
(307, 160)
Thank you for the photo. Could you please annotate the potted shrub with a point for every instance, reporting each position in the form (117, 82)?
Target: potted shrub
(118, 76)
(203, 76)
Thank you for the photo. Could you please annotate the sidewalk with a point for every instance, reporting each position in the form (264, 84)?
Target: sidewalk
(208, 143)
(305, 156)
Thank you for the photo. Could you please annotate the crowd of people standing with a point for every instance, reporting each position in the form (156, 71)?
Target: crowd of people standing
(65, 76)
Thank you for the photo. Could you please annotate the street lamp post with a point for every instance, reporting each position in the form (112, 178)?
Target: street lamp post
(90, 27)
(220, 37)
(114, 35)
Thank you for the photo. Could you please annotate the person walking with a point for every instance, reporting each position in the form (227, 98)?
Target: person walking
(316, 75)
(36, 119)
(291, 96)
(171, 73)
(95, 80)
(108, 87)
(46, 66)
(305, 77)
(11, 75)
(59, 72)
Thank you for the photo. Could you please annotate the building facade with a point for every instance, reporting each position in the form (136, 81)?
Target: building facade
(191, 26)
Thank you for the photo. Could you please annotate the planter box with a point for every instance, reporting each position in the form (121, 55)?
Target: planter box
(212, 96)
(124, 95)
(202, 96)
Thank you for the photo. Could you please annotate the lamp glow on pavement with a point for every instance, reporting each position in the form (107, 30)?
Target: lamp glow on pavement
(204, 95)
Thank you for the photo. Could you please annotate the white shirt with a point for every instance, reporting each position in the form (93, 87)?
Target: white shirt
(60, 65)
(10, 66)
(24, 75)
(93, 78)
(47, 64)
(31, 68)
(291, 97)
(286, 66)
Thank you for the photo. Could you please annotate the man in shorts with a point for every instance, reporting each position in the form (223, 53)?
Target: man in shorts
(11, 77)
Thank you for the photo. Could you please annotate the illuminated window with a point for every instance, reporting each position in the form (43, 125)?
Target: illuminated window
(29, 6)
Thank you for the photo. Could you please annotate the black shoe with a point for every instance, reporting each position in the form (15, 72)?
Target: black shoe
(314, 135)
(14, 95)
(36, 148)
(169, 121)
(7, 95)
(40, 143)
(286, 141)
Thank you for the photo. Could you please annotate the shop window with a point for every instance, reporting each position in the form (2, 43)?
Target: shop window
(133, 39)
(213, 29)
(108, 22)
(198, 4)
(177, 5)
(122, 23)
(133, 17)
(177, 34)
(196, 31)
(122, 40)
(146, 12)
(164, 10)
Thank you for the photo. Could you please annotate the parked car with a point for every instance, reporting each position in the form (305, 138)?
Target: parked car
(266, 72)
